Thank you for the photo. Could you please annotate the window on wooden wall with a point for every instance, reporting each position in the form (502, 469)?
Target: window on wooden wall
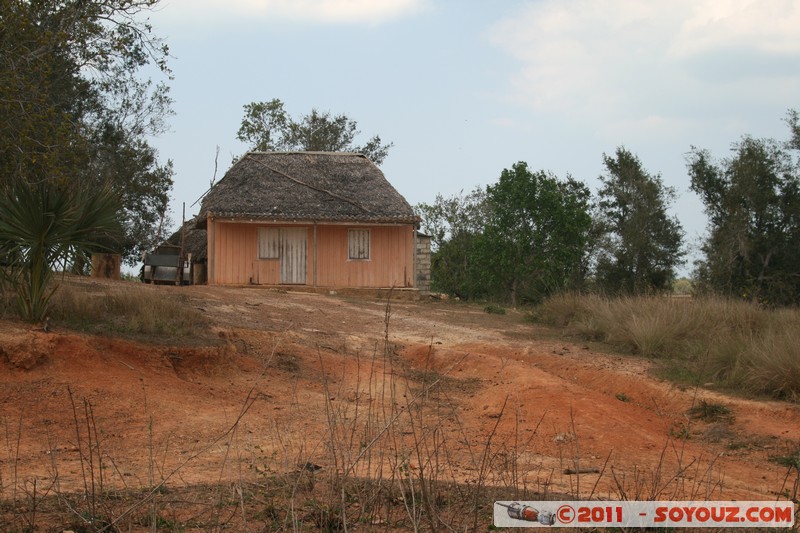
(268, 243)
(358, 244)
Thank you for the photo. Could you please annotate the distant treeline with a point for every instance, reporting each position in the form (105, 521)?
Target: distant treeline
(532, 234)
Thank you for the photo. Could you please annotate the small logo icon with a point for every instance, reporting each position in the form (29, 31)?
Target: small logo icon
(565, 514)
(527, 513)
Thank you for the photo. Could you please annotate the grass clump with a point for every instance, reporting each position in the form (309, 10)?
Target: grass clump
(733, 344)
(126, 308)
(710, 412)
(790, 459)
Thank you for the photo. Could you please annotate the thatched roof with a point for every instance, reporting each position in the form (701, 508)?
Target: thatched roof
(318, 186)
(195, 241)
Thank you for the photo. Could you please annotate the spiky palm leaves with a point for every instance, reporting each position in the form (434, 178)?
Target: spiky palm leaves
(43, 227)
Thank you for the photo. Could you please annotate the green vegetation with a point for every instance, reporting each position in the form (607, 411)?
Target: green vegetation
(76, 112)
(530, 235)
(76, 171)
(733, 344)
(455, 225)
(710, 412)
(790, 459)
(45, 226)
(267, 127)
(535, 235)
(520, 240)
(683, 287)
(638, 244)
(753, 203)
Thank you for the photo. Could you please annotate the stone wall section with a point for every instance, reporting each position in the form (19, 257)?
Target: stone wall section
(423, 263)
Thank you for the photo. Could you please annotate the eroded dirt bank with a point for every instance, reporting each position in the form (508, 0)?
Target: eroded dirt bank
(295, 378)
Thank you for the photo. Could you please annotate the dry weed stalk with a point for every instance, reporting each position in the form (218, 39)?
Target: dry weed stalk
(389, 428)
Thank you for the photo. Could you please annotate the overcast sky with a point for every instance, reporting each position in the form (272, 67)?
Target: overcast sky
(466, 88)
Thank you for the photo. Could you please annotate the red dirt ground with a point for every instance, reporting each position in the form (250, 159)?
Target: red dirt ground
(162, 412)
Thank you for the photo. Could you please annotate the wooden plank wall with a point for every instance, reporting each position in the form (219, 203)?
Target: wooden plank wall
(235, 249)
(391, 262)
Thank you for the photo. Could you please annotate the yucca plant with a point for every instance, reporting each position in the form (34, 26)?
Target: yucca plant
(44, 226)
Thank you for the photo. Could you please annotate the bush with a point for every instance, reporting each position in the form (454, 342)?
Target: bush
(493, 309)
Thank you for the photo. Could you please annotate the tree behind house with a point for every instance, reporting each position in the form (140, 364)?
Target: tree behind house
(267, 127)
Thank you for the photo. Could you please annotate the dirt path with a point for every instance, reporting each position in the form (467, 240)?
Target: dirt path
(291, 366)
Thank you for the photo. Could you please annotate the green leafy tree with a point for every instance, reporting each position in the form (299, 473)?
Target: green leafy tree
(460, 213)
(639, 245)
(793, 121)
(267, 127)
(75, 111)
(517, 241)
(455, 225)
(536, 235)
(142, 183)
(264, 126)
(46, 226)
(753, 204)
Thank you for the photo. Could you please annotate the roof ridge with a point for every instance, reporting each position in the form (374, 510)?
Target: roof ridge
(312, 152)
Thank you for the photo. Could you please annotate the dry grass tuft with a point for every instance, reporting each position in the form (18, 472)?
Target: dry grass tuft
(735, 344)
(126, 308)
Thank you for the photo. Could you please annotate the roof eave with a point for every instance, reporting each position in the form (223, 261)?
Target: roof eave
(258, 218)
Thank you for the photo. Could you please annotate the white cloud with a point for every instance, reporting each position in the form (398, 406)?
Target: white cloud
(769, 26)
(649, 64)
(372, 12)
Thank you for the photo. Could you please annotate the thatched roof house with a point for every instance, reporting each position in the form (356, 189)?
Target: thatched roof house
(313, 186)
(310, 218)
